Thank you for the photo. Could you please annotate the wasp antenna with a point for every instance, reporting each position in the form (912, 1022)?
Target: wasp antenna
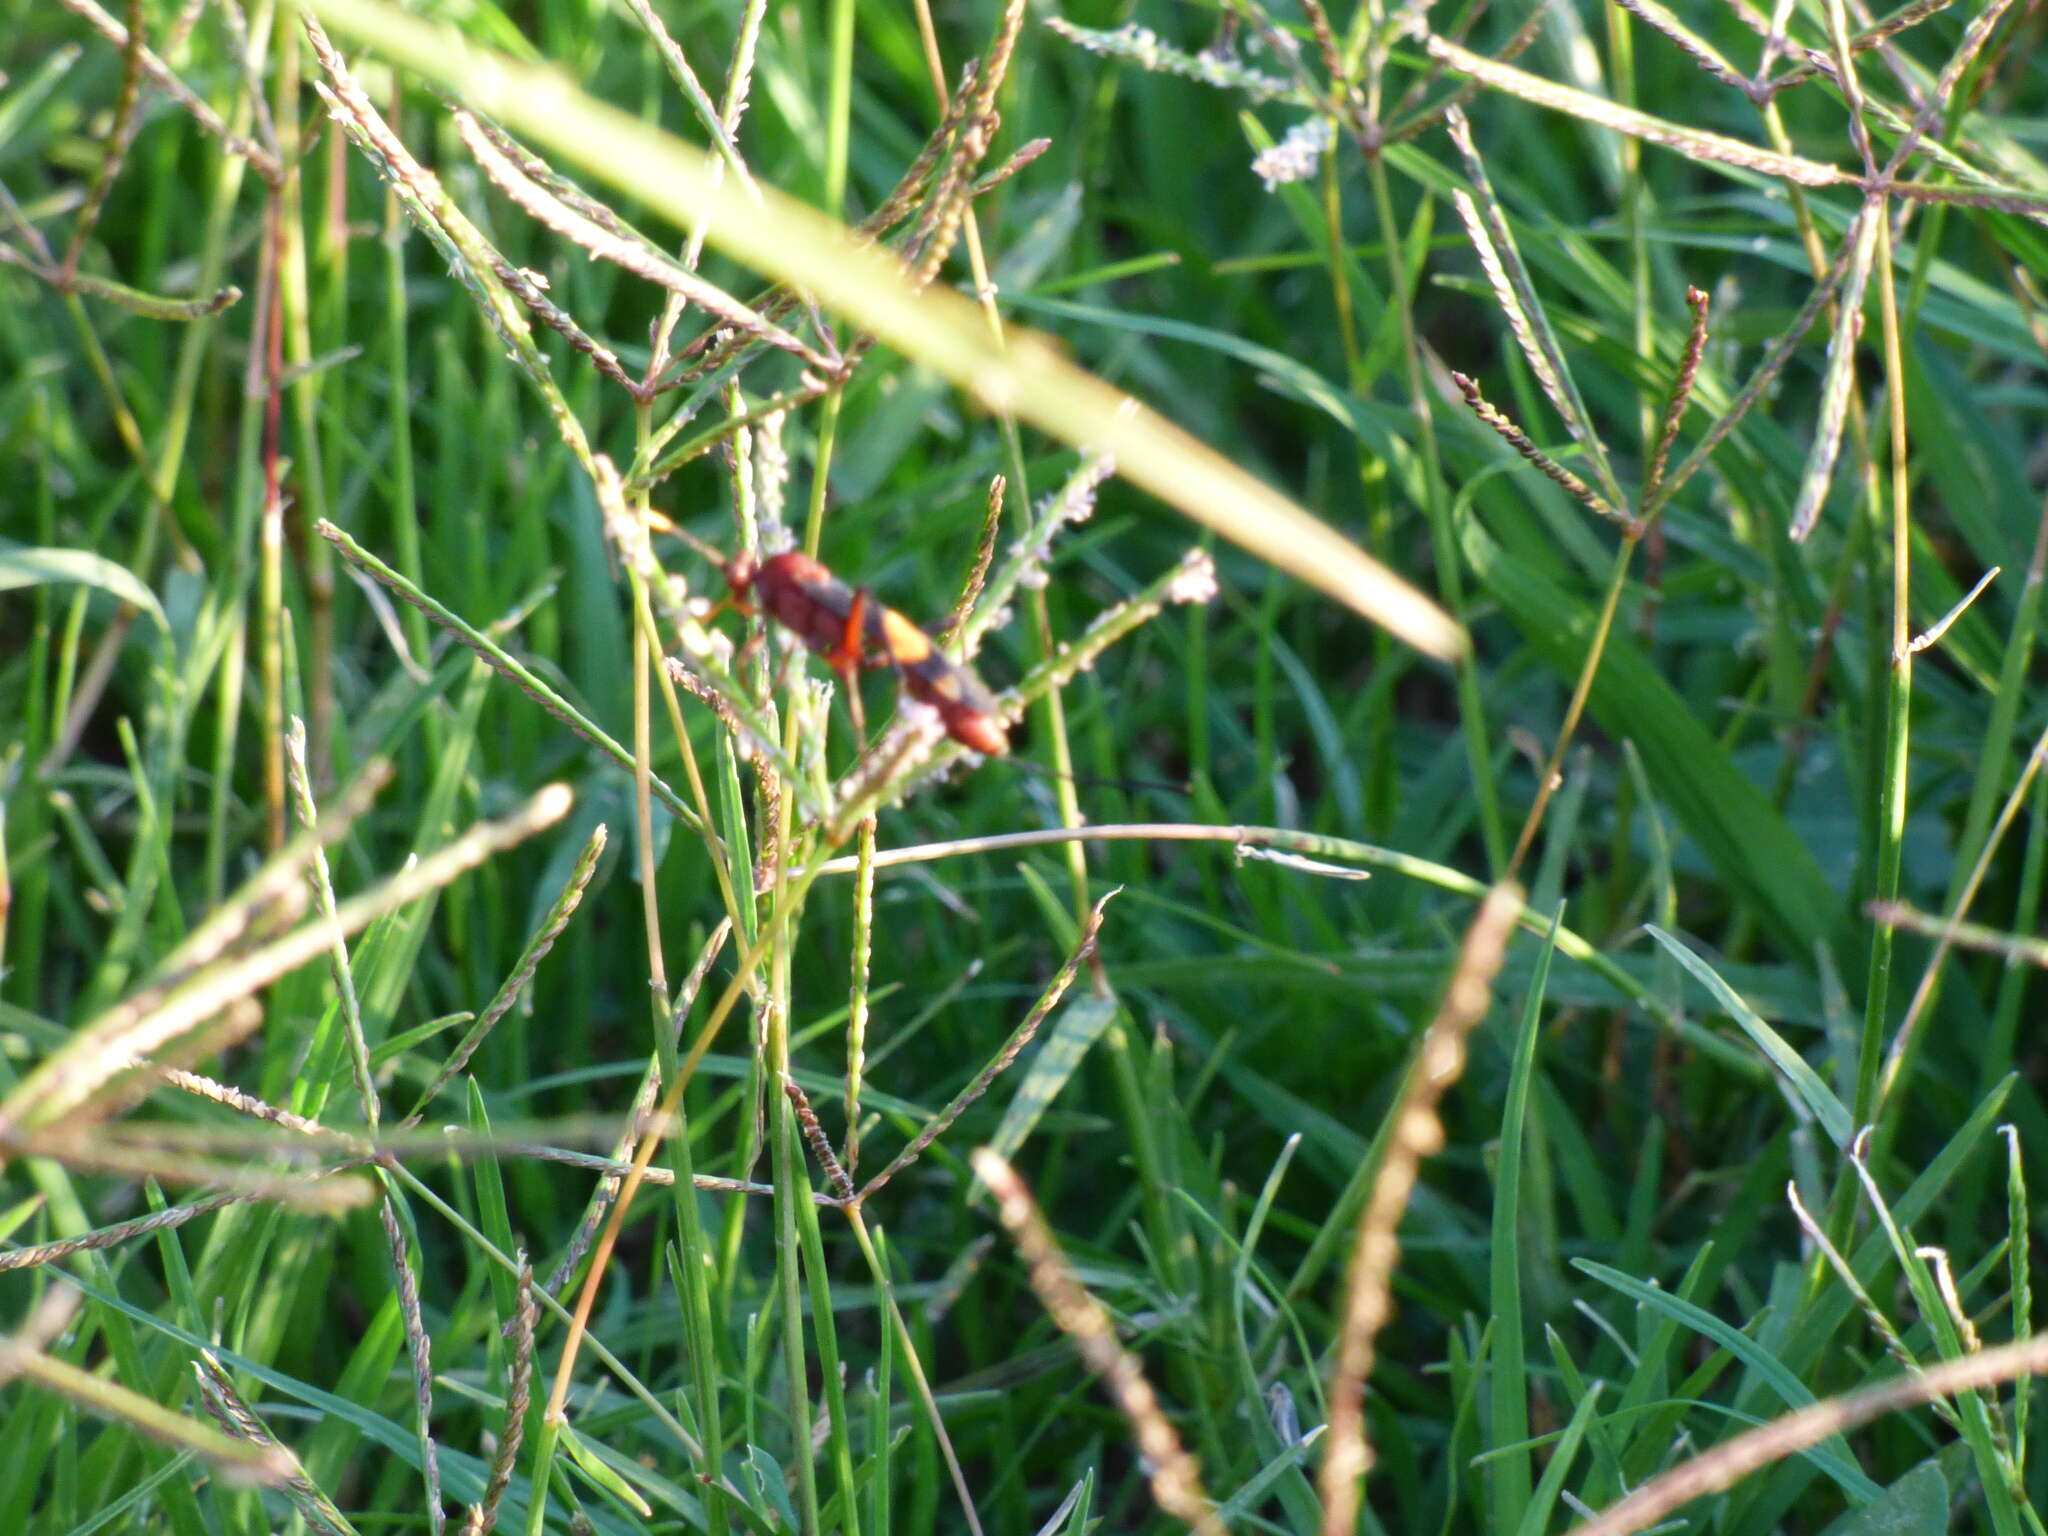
(667, 524)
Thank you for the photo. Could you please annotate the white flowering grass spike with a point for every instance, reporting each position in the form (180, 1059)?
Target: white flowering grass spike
(1296, 157)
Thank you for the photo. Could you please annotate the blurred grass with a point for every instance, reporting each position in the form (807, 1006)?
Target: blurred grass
(1205, 1113)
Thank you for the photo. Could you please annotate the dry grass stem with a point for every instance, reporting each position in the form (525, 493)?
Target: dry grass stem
(48, 1319)
(135, 1079)
(275, 896)
(325, 1191)
(1570, 943)
(1418, 1133)
(1176, 1475)
(1727, 1464)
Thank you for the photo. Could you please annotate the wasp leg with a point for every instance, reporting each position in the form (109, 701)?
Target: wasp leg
(845, 659)
(750, 648)
(849, 683)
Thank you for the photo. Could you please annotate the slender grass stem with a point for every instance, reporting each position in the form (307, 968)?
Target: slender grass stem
(1893, 783)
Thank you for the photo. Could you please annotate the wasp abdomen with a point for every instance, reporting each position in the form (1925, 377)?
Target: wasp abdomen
(844, 625)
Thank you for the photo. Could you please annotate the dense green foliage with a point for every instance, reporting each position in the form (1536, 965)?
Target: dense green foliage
(1599, 1273)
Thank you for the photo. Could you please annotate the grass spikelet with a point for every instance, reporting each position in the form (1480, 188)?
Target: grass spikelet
(1418, 1133)
(1176, 1476)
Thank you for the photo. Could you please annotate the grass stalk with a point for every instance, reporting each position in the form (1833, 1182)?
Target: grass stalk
(1893, 781)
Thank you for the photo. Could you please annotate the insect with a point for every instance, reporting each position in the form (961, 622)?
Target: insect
(850, 630)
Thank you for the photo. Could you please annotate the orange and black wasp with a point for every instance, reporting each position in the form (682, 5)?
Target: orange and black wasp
(850, 630)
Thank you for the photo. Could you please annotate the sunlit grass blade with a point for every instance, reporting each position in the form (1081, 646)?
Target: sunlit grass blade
(1820, 1100)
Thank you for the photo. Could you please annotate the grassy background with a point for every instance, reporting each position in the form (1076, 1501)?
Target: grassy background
(1602, 1249)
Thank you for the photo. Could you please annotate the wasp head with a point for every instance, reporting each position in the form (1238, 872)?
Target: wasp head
(740, 572)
